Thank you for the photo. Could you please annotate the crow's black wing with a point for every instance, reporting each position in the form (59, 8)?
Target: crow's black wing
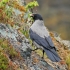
(46, 41)
(46, 44)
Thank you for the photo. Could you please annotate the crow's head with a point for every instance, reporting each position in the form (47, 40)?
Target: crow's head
(36, 17)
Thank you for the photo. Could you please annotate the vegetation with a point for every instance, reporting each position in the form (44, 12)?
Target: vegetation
(31, 5)
(68, 60)
(7, 10)
(3, 61)
(7, 52)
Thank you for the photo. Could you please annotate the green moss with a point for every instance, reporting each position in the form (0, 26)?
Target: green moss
(12, 52)
(4, 45)
(25, 32)
(1, 40)
(3, 62)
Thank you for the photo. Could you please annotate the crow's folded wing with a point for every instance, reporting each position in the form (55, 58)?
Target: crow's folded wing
(46, 41)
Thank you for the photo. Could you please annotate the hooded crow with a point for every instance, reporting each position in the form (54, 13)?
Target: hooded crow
(40, 35)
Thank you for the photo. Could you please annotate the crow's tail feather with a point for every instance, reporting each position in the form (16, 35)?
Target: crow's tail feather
(52, 55)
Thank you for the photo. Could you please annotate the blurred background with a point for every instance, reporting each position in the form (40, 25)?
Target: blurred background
(56, 15)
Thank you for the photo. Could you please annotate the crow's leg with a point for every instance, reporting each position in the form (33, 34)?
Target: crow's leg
(43, 54)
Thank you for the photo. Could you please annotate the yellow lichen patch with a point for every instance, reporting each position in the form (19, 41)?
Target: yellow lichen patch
(68, 61)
